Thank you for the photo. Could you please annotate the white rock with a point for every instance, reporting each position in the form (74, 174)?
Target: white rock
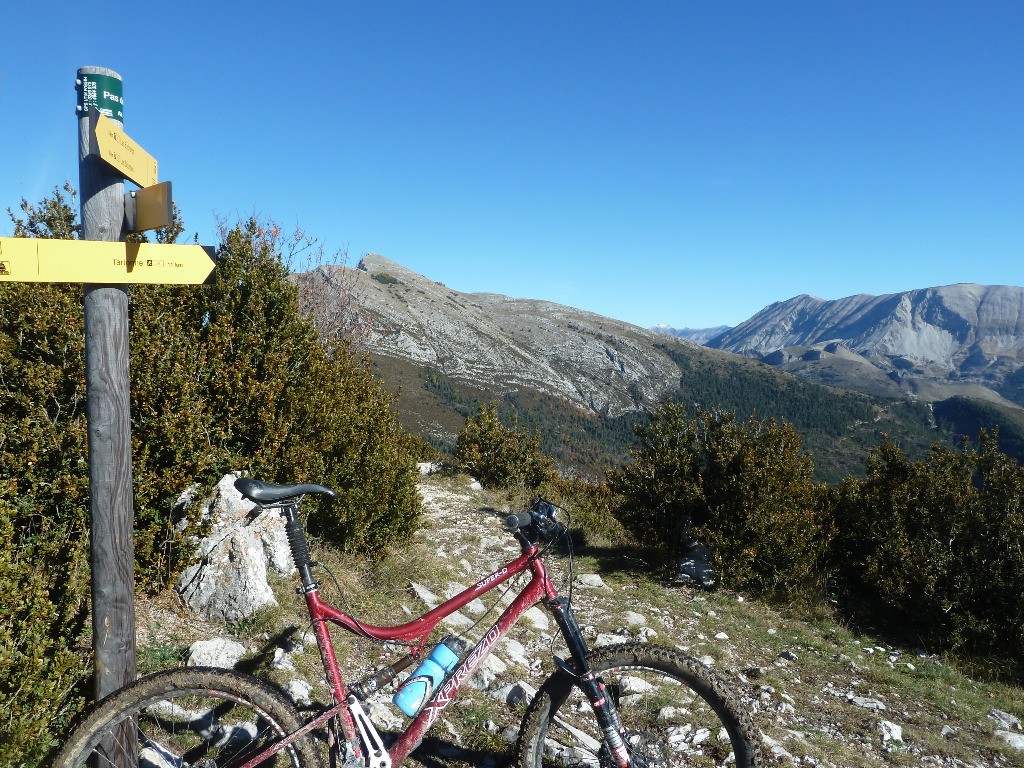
(300, 692)
(1015, 740)
(537, 617)
(514, 651)
(456, 621)
(632, 619)
(488, 672)
(383, 712)
(514, 693)
(865, 703)
(475, 486)
(218, 652)
(1005, 719)
(591, 581)
(282, 660)
(425, 594)
(228, 579)
(890, 731)
(631, 684)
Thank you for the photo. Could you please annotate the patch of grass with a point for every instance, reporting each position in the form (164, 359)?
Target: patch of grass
(153, 658)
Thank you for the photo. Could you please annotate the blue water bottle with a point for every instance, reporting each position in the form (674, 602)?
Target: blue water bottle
(419, 686)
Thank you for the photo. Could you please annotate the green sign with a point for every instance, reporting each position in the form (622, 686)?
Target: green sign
(102, 92)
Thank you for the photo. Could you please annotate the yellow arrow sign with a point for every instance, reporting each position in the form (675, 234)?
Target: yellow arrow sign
(115, 148)
(33, 260)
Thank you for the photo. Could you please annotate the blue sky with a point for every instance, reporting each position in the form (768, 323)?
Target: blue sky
(658, 162)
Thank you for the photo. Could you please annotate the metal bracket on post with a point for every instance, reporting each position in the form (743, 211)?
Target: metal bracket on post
(148, 208)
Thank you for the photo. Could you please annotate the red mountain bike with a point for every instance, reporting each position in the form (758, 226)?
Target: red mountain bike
(626, 705)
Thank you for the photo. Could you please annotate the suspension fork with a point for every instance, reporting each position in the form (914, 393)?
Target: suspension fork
(592, 686)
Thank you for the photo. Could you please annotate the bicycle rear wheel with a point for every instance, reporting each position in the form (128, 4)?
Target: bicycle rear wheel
(189, 717)
(674, 712)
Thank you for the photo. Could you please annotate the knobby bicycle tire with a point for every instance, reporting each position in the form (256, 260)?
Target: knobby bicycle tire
(674, 712)
(189, 716)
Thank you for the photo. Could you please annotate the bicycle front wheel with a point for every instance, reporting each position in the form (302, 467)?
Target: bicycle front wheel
(189, 717)
(674, 713)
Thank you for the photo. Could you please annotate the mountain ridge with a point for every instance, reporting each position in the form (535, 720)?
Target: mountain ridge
(929, 342)
(600, 364)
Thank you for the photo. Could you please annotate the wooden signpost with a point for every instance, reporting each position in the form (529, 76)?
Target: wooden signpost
(105, 264)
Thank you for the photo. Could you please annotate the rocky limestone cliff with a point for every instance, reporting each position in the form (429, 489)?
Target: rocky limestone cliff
(605, 366)
(949, 335)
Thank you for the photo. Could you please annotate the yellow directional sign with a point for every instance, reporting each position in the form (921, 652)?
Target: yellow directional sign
(33, 260)
(115, 148)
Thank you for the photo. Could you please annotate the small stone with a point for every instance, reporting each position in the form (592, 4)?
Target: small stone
(591, 580)
(300, 692)
(424, 594)
(890, 732)
(282, 660)
(721, 636)
(866, 703)
(537, 617)
(514, 693)
(490, 670)
(217, 652)
(788, 656)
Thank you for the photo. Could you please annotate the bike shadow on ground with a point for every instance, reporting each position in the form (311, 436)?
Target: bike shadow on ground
(435, 752)
(637, 558)
(263, 658)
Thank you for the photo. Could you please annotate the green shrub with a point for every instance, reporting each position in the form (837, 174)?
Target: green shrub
(42, 673)
(933, 550)
(593, 506)
(744, 487)
(226, 376)
(500, 456)
(265, 397)
(385, 278)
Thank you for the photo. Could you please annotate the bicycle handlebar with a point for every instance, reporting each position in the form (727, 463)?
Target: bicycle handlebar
(540, 518)
(518, 520)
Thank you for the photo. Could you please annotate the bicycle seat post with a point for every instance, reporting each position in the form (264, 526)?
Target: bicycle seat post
(299, 545)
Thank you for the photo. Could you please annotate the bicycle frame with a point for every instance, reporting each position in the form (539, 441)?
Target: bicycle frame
(415, 633)
(418, 630)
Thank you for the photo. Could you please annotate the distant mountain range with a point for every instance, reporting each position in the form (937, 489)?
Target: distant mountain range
(932, 343)
(696, 335)
(583, 380)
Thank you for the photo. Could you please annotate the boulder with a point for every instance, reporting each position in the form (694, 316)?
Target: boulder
(228, 579)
